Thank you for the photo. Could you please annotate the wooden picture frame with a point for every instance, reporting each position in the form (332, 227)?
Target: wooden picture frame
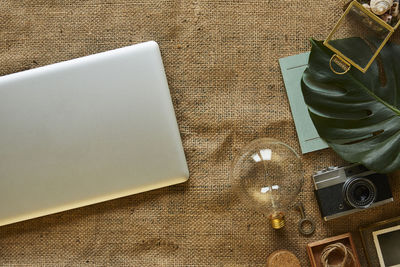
(369, 237)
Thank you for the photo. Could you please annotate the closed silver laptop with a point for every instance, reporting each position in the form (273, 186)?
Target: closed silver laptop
(85, 131)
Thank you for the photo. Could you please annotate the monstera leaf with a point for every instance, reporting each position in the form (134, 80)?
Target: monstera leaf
(357, 114)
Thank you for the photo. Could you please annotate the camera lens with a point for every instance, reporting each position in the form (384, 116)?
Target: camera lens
(359, 192)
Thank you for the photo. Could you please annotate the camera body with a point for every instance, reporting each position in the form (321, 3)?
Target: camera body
(342, 191)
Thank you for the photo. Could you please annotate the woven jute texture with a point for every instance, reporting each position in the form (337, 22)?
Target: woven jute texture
(221, 60)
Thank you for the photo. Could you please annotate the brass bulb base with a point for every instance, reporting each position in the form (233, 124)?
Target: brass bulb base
(277, 220)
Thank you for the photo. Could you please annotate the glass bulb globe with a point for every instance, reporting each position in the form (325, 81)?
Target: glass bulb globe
(268, 176)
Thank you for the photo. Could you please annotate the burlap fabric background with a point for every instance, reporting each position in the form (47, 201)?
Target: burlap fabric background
(221, 60)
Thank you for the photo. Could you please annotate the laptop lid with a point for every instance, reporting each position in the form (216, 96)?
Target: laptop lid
(85, 131)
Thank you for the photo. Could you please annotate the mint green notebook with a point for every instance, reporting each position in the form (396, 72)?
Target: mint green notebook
(292, 69)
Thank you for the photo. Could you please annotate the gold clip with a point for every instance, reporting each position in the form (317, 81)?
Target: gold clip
(342, 61)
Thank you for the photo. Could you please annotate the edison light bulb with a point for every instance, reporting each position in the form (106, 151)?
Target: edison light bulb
(268, 176)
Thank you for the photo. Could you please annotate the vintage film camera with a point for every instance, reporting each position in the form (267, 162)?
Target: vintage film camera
(344, 190)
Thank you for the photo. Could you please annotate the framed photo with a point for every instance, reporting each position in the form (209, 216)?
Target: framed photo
(381, 243)
(387, 243)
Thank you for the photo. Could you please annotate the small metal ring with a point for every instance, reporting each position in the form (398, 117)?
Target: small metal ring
(343, 61)
(302, 230)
